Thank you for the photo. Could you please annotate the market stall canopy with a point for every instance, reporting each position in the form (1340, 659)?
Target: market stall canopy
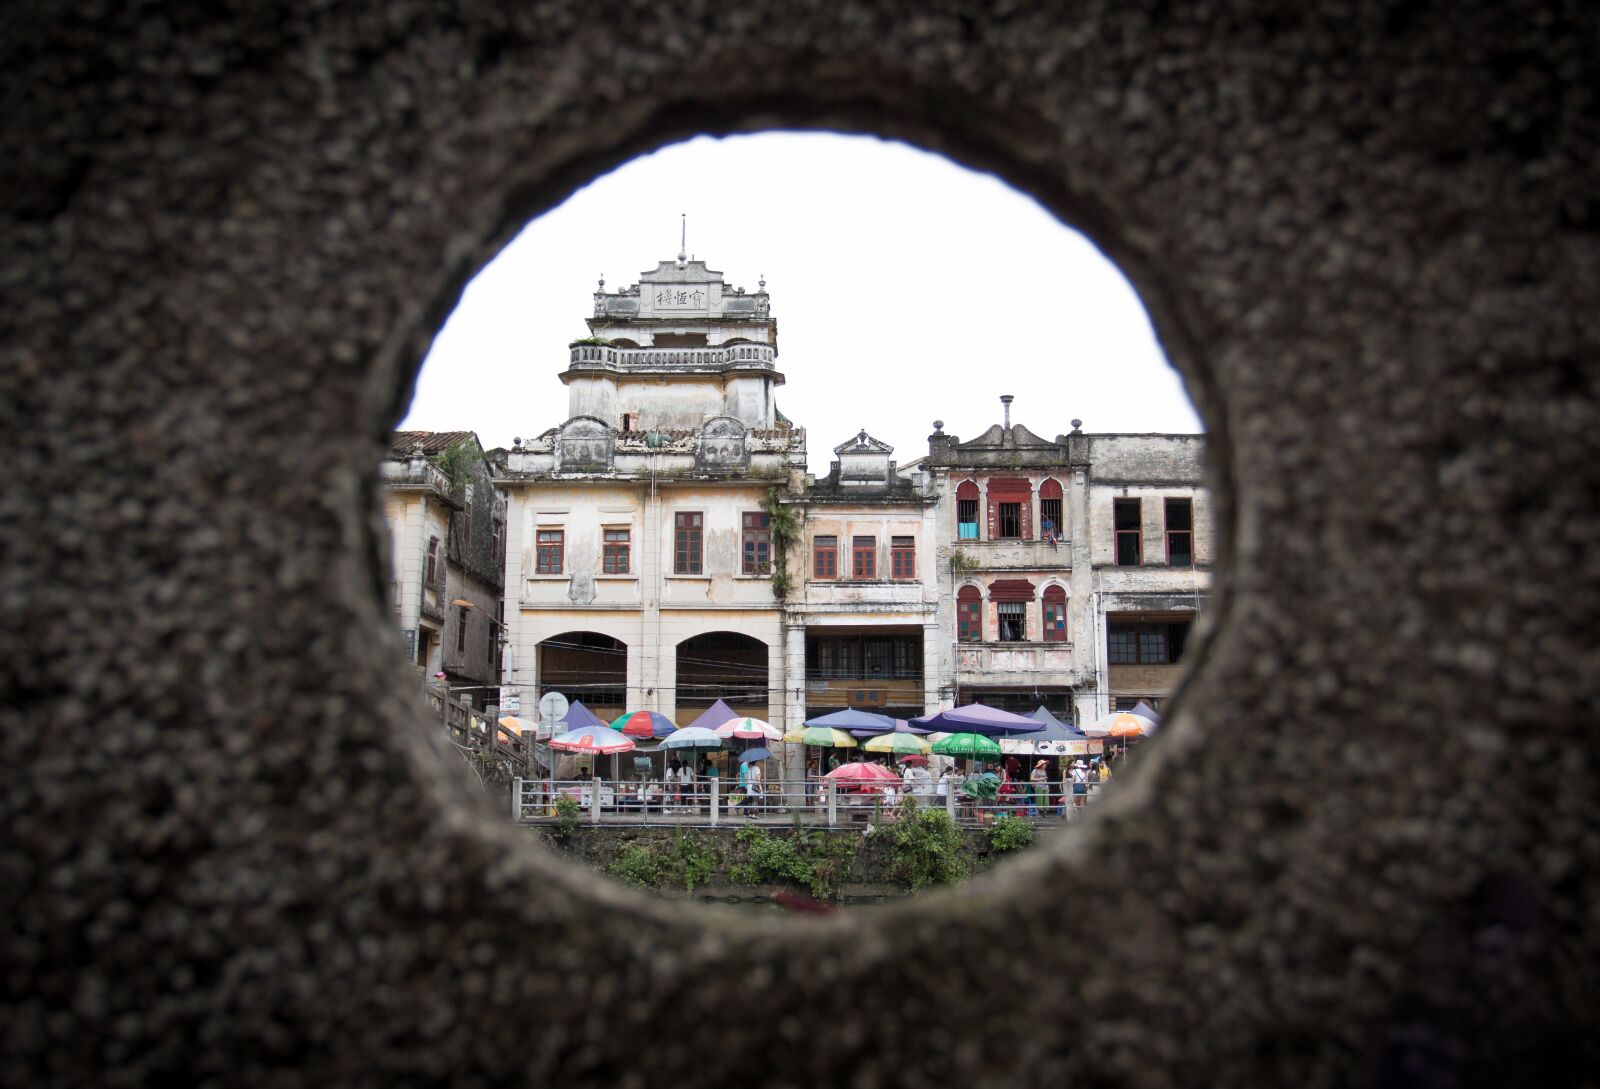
(715, 716)
(979, 718)
(749, 729)
(644, 724)
(821, 737)
(599, 740)
(851, 719)
(692, 737)
(1117, 724)
(896, 742)
(967, 745)
(579, 716)
(901, 726)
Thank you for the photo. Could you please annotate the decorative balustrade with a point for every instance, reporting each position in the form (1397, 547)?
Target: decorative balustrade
(734, 354)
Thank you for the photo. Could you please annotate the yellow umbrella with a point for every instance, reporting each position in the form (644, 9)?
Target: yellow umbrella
(898, 743)
(512, 723)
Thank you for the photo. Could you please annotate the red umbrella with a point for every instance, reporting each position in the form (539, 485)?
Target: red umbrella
(915, 758)
(861, 775)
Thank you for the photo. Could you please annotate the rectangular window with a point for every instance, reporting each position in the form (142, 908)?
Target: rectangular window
(1050, 519)
(1145, 644)
(552, 543)
(431, 573)
(878, 653)
(864, 558)
(1180, 532)
(967, 519)
(969, 621)
(688, 543)
(756, 542)
(461, 629)
(1125, 516)
(490, 642)
(825, 557)
(1013, 621)
(907, 656)
(903, 557)
(615, 558)
(1010, 525)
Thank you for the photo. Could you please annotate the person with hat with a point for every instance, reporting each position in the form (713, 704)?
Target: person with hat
(1080, 784)
(1039, 778)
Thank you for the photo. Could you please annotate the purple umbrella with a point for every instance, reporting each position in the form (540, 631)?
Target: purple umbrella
(578, 716)
(851, 719)
(978, 718)
(901, 726)
(715, 716)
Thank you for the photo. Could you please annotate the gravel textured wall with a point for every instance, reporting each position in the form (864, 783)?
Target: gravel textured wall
(1366, 852)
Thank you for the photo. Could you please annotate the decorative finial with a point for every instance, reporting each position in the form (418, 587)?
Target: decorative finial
(517, 441)
(1006, 399)
(602, 283)
(683, 240)
(1077, 426)
(762, 283)
(861, 439)
(938, 427)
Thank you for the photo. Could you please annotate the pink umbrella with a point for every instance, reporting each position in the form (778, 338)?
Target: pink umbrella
(599, 740)
(861, 775)
(749, 729)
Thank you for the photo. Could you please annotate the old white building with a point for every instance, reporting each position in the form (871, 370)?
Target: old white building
(640, 552)
(1072, 569)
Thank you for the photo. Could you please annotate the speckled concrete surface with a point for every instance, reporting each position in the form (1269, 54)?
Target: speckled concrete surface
(1368, 234)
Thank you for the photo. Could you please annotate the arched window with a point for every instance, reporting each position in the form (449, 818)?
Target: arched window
(1055, 614)
(967, 511)
(969, 615)
(1051, 525)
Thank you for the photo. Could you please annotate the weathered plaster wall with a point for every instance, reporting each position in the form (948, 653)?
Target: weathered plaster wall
(1368, 236)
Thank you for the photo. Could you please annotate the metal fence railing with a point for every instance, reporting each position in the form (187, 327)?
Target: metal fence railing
(711, 801)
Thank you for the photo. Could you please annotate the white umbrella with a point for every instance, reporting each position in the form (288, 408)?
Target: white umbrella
(749, 729)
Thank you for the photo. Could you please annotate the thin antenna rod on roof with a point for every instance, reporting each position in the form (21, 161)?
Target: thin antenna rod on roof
(683, 240)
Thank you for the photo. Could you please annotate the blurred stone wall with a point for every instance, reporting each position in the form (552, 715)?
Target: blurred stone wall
(1366, 234)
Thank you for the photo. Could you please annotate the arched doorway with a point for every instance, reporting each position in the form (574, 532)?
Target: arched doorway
(587, 666)
(725, 665)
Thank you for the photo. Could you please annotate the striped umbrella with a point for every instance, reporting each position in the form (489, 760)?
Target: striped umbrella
(643, 724)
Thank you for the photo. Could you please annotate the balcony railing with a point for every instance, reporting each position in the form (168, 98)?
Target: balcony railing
(974, 660)
(747, 354)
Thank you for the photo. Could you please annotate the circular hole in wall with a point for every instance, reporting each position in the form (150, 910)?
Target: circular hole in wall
(963, 474)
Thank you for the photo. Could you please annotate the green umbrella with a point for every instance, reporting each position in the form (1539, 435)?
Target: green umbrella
(972, 745)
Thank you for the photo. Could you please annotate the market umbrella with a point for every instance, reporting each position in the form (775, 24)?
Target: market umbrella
(861, 775)
(1117, 724)
(752, 755)
(820, 737)
(715, 716)
(643, 724)
(578, 716)
(851, 719)
(749, 729)
(897, 726)
(693, 738)
(969, 745)
(979, 718)
(512, 723)
(915, 759)
(595, 740)
(897, 743)
(1148, 713)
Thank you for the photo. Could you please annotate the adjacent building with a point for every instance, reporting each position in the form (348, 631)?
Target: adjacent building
(1073, 568)
(446, 520)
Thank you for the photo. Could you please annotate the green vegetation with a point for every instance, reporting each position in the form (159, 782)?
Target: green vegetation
(689, 862)
(927, 847)
(784, 524)
(1009, 833)
(568, 816)
(457, 461)
(815, 860)
(591, 342)
(960, 561)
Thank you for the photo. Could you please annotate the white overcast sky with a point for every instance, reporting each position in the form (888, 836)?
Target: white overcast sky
(906, 288)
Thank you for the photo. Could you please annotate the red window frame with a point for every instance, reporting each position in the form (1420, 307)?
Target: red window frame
(863, 557)
(967, 502)
(1184, 508)
(1126, 520)
(688, 543)
(616, 552)
(755, 543)
(550, 554)
(969, 615)
(825, 557)
(1050, 503)
(902, 557)
(1053, 610)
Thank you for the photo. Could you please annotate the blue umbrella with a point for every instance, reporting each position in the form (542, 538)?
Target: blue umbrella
(851, 719)
(1055, 729)
(754, 754)
(578, 716)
